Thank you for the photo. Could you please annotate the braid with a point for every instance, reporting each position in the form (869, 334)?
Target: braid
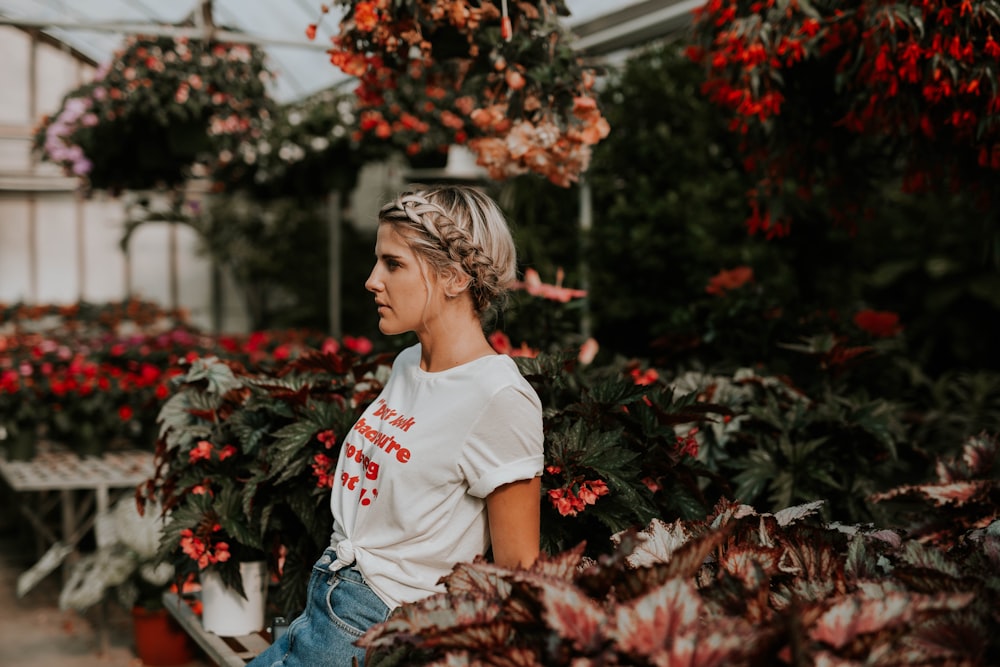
(446, 223)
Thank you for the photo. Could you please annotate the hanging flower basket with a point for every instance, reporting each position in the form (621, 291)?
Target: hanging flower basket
(156, 108)
(501, 77)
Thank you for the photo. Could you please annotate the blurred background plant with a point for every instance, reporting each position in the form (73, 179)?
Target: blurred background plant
(155, 109)
(124, 562)
(507, 67)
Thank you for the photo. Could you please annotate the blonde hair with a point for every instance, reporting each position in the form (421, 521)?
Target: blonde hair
(457, 226)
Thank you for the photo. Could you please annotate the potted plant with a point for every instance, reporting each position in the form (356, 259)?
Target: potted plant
(126, 564)
(244, 464)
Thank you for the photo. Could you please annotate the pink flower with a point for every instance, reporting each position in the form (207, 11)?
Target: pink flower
(534, 286)
(588, 351)
(226, 452)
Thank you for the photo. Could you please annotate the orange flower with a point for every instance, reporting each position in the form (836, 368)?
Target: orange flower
(365, 16)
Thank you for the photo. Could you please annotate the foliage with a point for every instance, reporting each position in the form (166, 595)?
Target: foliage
(782, 446)
(256, 241)
(515, 77)
(617, 452)
(157, 107)
(735, 588)
(892, 89)
(667, 196)
(125, 562)
(964, 499)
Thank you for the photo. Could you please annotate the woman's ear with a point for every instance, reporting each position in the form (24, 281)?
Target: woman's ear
(455, 281)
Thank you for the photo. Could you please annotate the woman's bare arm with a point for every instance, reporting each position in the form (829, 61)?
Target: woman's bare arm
(514, 514)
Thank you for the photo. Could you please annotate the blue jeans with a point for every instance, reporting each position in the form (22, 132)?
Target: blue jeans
(339, 609)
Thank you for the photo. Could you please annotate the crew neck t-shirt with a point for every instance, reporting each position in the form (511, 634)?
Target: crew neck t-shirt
(410, 485)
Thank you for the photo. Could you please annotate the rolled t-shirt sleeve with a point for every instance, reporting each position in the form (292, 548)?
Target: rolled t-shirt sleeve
(506, 442)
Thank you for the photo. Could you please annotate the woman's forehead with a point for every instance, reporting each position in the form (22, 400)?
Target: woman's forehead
(390, 237)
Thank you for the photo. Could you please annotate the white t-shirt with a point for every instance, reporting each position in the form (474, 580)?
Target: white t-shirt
(409, 490)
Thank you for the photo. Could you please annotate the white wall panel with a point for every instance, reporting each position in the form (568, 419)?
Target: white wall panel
(194, 278)
(103, 260)
(15, 46)
(58, 73)
(15, 152)
(149, 250)
(14, 263)
(58, 269)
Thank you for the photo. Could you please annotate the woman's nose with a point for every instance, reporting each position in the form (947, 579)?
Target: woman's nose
(373, 284)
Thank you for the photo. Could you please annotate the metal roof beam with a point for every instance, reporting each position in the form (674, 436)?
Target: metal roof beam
(162, 31)
(633, 25)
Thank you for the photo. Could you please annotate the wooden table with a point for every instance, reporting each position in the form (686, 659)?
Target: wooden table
(224, 651)
(80, 485)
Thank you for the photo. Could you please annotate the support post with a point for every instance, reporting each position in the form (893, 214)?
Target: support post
(334, 215)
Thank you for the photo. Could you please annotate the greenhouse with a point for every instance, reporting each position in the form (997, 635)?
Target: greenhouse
(499, 332)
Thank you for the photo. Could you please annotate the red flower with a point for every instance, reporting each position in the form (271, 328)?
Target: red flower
(644, 377)
(726, 281)
(125, 413)
(500, 342)
(879, 323)
(203, 450)
(359, 345)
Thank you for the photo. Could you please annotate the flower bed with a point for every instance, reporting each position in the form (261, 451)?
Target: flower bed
(93, 377)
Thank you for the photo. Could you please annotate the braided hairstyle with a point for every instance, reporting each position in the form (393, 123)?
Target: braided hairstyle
(456, 226)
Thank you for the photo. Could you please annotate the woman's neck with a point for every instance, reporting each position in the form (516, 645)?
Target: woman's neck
(452, 344)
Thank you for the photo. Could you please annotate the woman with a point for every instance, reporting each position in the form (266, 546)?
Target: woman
(445, 463)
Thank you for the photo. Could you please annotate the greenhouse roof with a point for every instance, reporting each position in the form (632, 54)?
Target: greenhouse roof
(95, 28)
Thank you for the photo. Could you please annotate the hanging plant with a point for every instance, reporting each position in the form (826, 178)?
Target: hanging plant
(160, 105)
(307, 148)
(833, 99)
(501, 77)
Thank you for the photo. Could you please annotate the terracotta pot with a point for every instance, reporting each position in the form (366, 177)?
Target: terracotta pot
(159, 640)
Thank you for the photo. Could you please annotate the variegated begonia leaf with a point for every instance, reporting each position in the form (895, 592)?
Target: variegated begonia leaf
(752, 566)
(920, 555)
(486, 638)
(955, 494)
(415, 622)
(478, 578)
(646, 624)
(790, 515)
(715, 645)
(855, 615)
(564, 565)
(975, 462)
(657, 543)
(573, 616)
